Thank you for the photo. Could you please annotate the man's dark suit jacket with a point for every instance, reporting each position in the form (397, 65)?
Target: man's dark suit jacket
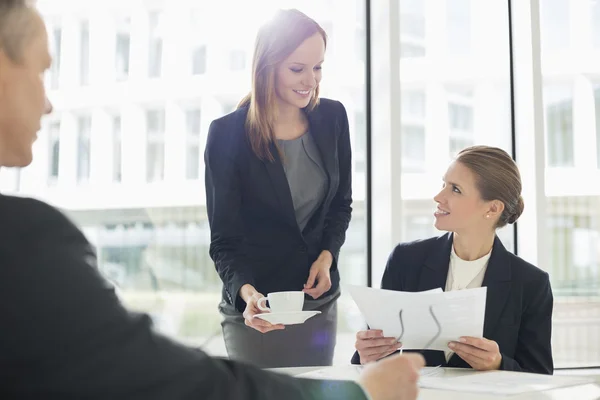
(518, 314)
(65, 335)
(255, 237)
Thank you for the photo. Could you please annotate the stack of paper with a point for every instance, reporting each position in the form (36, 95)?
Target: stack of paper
(423, 320)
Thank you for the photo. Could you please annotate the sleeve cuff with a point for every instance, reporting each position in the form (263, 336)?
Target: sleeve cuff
(233, 292)
(509, 364)
(335, 253)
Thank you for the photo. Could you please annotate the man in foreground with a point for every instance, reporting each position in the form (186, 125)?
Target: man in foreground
(64, 332)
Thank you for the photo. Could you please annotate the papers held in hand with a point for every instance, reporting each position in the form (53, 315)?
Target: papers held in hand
(422, 320)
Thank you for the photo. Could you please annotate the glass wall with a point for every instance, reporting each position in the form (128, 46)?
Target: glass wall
(135, 87)
(571, 98)
(454, 93)
(454, 90)
(136, 84)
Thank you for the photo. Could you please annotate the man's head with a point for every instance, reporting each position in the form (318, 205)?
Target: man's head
(24, 58)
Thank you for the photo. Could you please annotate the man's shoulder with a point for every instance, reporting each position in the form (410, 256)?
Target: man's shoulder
(23, 217)
(13, 207)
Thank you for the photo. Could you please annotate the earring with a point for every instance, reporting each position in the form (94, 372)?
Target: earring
(487, 216)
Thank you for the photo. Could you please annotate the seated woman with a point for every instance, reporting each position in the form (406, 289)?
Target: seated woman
(481, 192)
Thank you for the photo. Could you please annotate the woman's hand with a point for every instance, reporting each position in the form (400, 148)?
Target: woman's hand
(319, 272)
(251, 296)
(371, 345)
(480, 353)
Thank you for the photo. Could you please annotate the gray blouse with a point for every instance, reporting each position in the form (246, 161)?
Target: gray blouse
(305, 174)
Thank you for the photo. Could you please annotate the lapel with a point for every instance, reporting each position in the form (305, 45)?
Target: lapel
(498, 281)
(437, 263)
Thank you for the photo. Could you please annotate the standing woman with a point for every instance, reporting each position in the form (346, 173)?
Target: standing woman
(278, 188)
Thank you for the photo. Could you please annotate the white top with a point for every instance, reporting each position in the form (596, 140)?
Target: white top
(465, 275)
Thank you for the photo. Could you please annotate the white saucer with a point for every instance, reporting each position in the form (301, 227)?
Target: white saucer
(287, 318)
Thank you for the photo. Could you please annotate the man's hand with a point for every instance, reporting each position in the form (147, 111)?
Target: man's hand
(394, 378)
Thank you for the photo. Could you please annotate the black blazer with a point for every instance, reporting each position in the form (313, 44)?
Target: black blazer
(65, 335)
(518, 314)
(254, 234)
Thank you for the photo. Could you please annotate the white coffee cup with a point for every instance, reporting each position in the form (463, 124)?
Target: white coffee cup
(282, 302)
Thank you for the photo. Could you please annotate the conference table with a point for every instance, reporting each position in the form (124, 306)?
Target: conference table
(587, 387)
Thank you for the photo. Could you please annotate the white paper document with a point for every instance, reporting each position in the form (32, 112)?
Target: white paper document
(422, 320)
(501, 382)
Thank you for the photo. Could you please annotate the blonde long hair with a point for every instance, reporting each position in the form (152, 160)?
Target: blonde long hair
(275, 41)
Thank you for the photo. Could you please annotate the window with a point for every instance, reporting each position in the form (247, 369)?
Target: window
(56, 56)
(458, 20)
(460, 117)
(328, 28)
(361, 42)
(597, 101)
(122, 60)
(192, 122)
(84, 128)
(441, 103)
(459, 143)
(117, 144)
(412, 19)
(199, 60)
(155, 145)
(413, 104)
(571, 106)
(559, 126)
(154, 240)
(237, 60)
(595, 21)
(123, 46)
(408, 50)
(443, 97)
(155, 48)
(413, 115)
(84, 49)
(461, 127)
(412, 29)
(555, 26)
(413, 148)
(155, 154)
(155, 122)
(192, 163)
(359, 149)
(53, 150)
(198, 34)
